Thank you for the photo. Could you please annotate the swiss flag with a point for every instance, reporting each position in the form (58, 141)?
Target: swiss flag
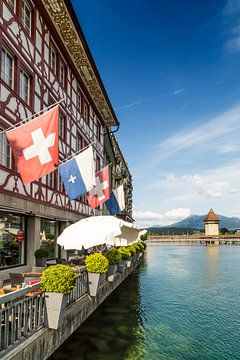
(101, 192)
(35, 146)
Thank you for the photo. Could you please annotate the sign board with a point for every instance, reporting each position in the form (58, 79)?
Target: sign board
(20, 236)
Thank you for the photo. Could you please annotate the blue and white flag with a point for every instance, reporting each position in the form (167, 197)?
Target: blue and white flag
(116, 203)
(78, 174)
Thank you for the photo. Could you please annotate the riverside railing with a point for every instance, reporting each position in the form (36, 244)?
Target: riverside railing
(22, 311)
(21, 314)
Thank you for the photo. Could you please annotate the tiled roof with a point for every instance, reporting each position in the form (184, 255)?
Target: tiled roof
(211, 216)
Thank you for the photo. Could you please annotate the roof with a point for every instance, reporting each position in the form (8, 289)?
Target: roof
(66, 22)
(211, 216)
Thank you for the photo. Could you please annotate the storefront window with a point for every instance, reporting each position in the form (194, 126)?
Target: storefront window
(49, 237)
(12, 239)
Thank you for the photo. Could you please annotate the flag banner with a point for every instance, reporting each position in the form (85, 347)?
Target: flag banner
(116, 202)
(99, 194)
(78, 174)
(35, 146)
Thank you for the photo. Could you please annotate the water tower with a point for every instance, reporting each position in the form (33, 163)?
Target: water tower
(211, 223)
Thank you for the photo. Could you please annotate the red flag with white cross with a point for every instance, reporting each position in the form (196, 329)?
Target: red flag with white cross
(101, 192)
(35, 146)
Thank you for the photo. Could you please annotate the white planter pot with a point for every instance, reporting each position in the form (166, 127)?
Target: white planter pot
(94, 281)
(128, 263)
(55, 304)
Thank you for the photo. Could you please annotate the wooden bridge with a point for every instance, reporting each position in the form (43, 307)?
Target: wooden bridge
(196, 239)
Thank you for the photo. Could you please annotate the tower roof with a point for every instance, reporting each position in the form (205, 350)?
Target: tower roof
(211, 216)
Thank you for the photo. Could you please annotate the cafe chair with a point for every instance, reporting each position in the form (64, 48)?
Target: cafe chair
(16, 279)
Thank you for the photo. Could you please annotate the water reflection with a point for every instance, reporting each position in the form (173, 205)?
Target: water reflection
(212, 257)
(113, 332)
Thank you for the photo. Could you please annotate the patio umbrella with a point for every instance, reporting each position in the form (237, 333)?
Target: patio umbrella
(93, 231)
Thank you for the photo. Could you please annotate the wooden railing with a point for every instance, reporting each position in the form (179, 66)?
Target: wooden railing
(22, 311)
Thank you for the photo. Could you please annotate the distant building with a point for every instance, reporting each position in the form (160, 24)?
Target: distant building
(211, 223)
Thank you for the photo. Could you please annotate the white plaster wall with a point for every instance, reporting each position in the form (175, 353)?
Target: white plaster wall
(211, 229)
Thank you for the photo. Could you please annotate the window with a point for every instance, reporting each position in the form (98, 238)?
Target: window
(7, 67)
(98, 130)
(24, 86)
(62, 126)
(4, 150)
(53, 59)
(11, 245)
(62, 74)
(11, 3)
(79, 100)
(48, 236)
(79, 142)
(50, 180)
(86, 112)
(97, 163)
(26, 16)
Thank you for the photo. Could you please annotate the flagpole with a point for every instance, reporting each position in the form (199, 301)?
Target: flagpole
(37, 113)
(76, 153)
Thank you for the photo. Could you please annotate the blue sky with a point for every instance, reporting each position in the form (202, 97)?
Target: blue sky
(172, 72)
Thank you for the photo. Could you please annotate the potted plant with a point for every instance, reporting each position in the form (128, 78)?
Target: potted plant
(97, 266)
(126, 255)
(133, 251)
(57, 281)
(114, 257)
(141, 247)
(41, 256)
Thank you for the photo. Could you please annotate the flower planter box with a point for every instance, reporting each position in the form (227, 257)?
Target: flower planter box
(94, 281)
(55, 304)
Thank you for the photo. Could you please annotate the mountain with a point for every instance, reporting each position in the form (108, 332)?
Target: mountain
(196, 221)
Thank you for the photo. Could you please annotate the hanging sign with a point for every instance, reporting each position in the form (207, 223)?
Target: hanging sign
(20, 236)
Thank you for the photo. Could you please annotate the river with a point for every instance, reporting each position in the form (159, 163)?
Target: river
(182, 304)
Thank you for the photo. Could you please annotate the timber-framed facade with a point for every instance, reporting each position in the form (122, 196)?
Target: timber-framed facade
(45, 58)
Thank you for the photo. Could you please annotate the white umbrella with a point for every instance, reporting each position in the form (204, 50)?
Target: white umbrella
(93, 231)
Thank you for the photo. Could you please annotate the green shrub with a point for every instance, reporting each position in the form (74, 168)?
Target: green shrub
(41, 253)
(113, 256)
(132, 249)
(125, 252)
(140, 246)
(144, 237)
(96, 263)
(59, 279)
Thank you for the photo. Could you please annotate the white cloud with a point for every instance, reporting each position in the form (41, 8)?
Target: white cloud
(206, 187)
(178, 92)
(150, 218)
(232, 13)
(232, 8)
(203, 136)
(138, 102)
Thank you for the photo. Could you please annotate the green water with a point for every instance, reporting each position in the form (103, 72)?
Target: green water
(183, 303)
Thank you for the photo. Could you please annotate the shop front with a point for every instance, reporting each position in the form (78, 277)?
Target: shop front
(12, 240)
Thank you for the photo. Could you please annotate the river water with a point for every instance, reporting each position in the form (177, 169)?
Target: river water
(182, 304)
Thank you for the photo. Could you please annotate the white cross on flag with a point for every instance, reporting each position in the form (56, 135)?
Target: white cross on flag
(101, 192)
(35, 146)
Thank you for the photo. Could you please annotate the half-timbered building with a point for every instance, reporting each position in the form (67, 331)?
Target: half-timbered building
(45, 58)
